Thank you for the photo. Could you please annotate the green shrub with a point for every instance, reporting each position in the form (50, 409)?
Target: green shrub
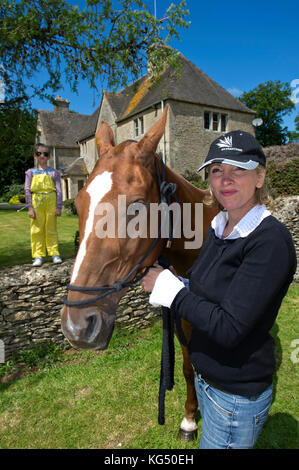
(195, 179)
(17, 199)
(41, 354)
(283, 178)
(11, 191)
(76, 242)
(69, 206)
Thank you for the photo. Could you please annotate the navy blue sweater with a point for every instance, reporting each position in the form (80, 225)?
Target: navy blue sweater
(235, 291)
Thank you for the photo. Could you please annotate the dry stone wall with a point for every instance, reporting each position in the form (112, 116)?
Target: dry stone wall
(286, 209)
(31, 300)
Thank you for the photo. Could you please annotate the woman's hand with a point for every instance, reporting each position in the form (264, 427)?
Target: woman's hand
(58, 212)
(150, 278)
(148, 281)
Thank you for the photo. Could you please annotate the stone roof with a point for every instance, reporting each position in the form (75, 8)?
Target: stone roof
(192, 86)
(61, 129)
(90, 127)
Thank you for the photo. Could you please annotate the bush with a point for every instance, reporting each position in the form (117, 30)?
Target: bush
(283, 178)
(76, 242)
(69, 206)
(195, 179)
(41, 354)
(12, 190)
(17, 199)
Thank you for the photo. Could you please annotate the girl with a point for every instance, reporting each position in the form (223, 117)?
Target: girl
(44, 200)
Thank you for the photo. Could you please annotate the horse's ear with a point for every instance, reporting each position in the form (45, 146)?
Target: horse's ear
(104, 138)
(149, 143)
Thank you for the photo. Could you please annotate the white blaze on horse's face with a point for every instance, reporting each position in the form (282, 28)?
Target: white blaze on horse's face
(97, 189)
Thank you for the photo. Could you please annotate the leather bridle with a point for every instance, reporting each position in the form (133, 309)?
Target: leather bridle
(166, 191)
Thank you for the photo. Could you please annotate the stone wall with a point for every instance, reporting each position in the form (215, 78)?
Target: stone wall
(286, 209)
(189, 140)
(31, 300)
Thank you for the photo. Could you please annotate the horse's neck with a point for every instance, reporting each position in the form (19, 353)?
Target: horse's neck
(182, 255)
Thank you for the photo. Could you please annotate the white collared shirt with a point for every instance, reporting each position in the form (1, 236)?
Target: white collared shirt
(244, 227)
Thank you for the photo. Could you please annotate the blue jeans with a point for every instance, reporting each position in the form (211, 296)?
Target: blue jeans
(230, 421)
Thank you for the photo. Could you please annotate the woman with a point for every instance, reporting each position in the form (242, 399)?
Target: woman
(235, 290)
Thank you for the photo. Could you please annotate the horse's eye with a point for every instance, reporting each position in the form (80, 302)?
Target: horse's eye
(136, 206)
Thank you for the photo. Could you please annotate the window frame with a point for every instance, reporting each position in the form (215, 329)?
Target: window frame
(215, 119)
(136, 127)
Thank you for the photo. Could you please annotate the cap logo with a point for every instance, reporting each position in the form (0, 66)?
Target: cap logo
(227, 144)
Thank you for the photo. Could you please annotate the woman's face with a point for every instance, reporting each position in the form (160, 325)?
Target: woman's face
(234, 187)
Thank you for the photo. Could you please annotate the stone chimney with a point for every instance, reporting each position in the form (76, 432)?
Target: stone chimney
(154, 50)
(61, 105)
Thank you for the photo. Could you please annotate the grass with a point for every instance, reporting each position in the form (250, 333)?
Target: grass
(15, 237)
(108, 399)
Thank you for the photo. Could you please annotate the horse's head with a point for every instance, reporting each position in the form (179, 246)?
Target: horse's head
(123, 179)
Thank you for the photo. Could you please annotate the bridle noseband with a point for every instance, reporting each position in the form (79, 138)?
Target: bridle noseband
(166, 191)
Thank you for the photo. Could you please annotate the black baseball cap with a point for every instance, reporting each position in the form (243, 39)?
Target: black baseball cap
(238, 148)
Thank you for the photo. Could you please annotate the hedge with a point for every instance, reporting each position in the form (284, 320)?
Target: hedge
(283, 178)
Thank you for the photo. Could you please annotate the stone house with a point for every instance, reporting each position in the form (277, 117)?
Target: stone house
(59, 130)
(199, 111)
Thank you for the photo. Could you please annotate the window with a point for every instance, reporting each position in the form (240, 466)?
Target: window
(138, 126)
(215, 121)
(141, 125)
(223, 122)
(80, 184)
(207, 120)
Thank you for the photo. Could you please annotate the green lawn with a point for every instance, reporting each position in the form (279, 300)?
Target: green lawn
(15, 237)
(109, 399)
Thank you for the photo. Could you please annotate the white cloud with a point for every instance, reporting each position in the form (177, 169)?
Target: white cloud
(235, 91)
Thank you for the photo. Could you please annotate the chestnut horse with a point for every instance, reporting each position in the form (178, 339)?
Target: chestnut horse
(129, 169)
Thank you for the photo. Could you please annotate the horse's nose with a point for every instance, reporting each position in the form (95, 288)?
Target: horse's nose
(82, 328)
(94, 323)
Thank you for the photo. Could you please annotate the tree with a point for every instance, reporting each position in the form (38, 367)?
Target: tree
(294, 135)
(271, 101)
(17, 134)
(63, 43)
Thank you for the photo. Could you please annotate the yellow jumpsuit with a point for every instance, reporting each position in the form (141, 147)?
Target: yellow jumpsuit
(43, 229)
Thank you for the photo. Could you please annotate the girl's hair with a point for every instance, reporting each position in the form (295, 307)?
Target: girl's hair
(40, 144)
(262, 194)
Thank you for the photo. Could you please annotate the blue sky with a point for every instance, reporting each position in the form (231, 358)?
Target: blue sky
(238, 44)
